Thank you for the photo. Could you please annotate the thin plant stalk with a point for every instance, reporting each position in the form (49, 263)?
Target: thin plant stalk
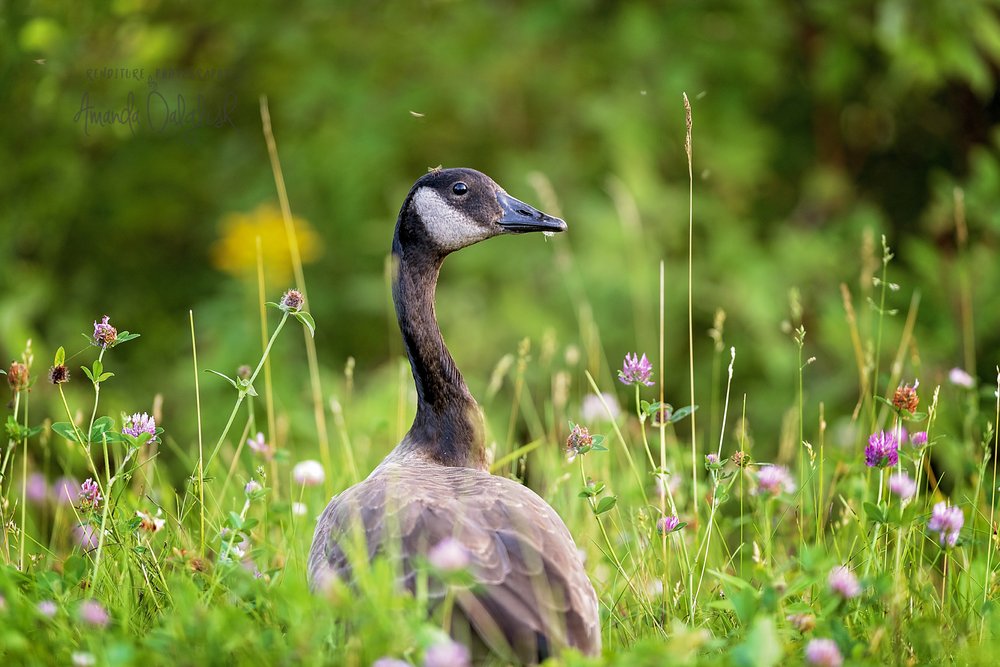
(319, 413)
(621, 438)
(201, 450)
(24, 484)
(268, 386)
(242, 395)
(688, 148)
(993, 505)
(663, 446)
(886, 256)
(699, 556)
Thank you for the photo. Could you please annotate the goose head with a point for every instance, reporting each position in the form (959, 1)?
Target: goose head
(449, 209)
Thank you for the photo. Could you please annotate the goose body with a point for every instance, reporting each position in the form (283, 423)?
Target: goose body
(532, 596)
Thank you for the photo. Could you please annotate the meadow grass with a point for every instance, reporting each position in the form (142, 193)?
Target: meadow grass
(707, 543)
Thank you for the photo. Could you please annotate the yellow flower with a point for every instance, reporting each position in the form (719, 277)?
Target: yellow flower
(236, 250)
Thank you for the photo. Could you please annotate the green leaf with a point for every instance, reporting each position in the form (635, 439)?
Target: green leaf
(74, 568)
(66, 430)
(224, 377)
(886, 401)
(592, 490)
(681, 413)
(652, 408)
(235, 521)
(124, 337)
(306, 319)
(101, 425)
(105, 376)
(60, 357)
(86, 371)
(763, 646)
(597, 443)
(271, 304)
(874, 512)
(606, 505)
(98, 368)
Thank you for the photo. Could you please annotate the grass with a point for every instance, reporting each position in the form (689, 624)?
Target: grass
(743, 580)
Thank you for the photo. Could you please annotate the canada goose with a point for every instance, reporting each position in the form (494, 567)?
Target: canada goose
(532, 596)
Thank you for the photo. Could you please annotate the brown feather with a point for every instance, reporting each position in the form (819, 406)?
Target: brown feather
(532, 585)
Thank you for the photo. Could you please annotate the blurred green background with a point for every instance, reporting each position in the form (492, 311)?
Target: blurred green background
(818, 126)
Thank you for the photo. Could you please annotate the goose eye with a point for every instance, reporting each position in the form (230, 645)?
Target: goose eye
(460, 188)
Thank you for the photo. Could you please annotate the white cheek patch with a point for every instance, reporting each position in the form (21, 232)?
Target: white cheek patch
(447, 226)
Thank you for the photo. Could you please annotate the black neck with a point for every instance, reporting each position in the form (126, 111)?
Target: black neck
(448, 427)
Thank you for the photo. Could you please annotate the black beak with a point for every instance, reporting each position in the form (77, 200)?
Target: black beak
(519, 218)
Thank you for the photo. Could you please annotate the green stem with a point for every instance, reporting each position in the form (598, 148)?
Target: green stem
(239, 400)
(881, 317)
(24, 484)
(97, 398)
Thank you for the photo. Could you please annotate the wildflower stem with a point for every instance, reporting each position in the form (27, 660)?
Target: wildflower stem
(24, 483)
(239, 400)
(642, 426)
(97, 398)
(993, 505)
(201, 449)
(104, 511)
(69, 414)
(872, 554)
(621, 438)
(801, 448)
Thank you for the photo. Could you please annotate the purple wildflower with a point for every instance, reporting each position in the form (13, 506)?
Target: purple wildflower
(391, 662)
(37, 488)
(919, 439)
(946, 521)
(308, 473)
(105, 335)
(823, 653)
(882, 450)
(960, 378)
(843, 582)
(138, 424)
(711, 461)
(772, 480)
(252, 487)
(901, 485)
(449, 555)
(90, 494)
(667, 524)
(260, 446)
(292, 300)
(636, 371)
(47, 608)
(579, 441)
(92, 613)
(447, 654)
